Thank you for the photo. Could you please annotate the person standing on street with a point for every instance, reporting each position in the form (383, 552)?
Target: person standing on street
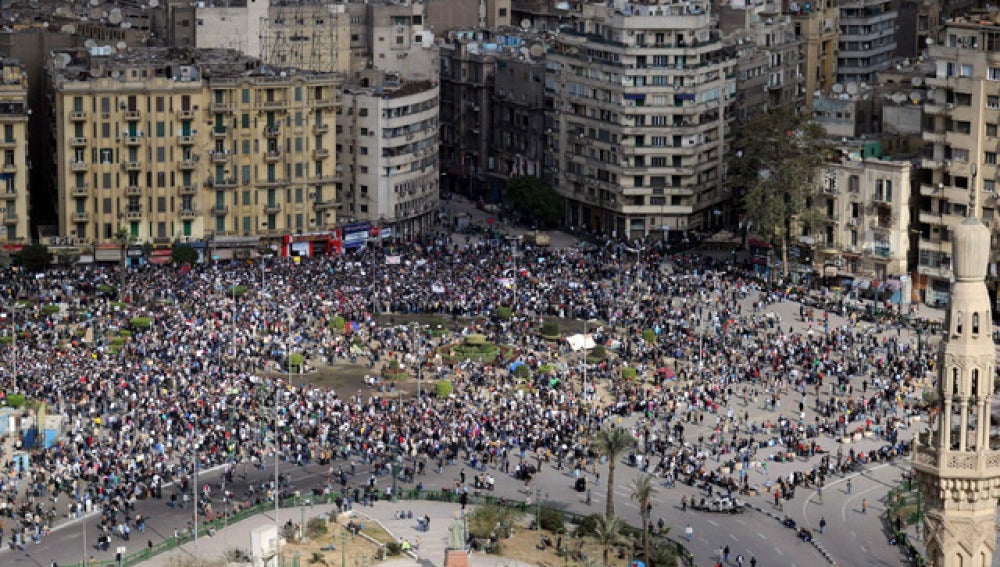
(822, 524)
(688, 532)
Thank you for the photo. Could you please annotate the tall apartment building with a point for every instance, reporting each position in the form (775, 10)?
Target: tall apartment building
(445, 15)
(518, 134)
(961, 145)
(388, 146)
(817, 24)
(867, 39)
(643, 96)
(768, 53)
(391, 37)
(313, 36)
(467, 68)
(190, 145)
(14, 207)
(865, 231)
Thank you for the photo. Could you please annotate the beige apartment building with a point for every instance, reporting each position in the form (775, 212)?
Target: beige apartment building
(961, 144)
(388, 147)
(642, 92)
(865, 232)
(191, 145)
(817, 24)
(14, 205)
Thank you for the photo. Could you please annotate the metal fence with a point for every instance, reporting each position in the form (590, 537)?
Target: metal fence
(904, 509)
(210, 527)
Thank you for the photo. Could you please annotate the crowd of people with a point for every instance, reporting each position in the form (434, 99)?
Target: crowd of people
(206, 383)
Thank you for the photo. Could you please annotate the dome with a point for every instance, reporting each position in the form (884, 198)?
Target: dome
(971, 250)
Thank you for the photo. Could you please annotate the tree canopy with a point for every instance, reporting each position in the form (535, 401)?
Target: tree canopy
(536, 199)
(776, 168)
(35, 257)
(184, 253)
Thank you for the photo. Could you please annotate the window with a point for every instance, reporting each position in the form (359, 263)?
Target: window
(975, 323)
(245, 121)
(990, 158)
(991, 130)
(503, 12)
(992, 101)
(245, 95)
(994, 74)
(161, 129)
(659, 141)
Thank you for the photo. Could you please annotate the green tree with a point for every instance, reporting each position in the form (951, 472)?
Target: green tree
(643, 491)
(608, 533)
(184, 254)
(611, 443)
(35, 257)
(536, 199)
(776, 168)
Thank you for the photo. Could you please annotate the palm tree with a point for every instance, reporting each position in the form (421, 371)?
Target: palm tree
(611, 443)
(608, 532)
(643, 491)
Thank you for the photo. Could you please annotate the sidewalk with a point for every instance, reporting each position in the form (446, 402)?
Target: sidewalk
(430, 553)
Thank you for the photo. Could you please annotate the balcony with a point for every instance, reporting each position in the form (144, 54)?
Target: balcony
(187, 164)
(321, 128)
(78, 166)
(10, 167)
(81, 216)
(931, 163)
(272, 131)
(273, 104)
(220, 158)
(185, 140)
(78, 142)
(934, 137)
(133, 140)
(132, 166)
(220, 210)
(222, 106)
(133, 214)
(188, 214)
(321, 153)
(187, 190)
(187, 114)
(272, 156)
(223, 183)
(273, 183)
(833, 218)
(220, 131)
(324, 205)
(133, 190)
(78, 115)
(325, 102)
(80, 191)
(10, 218)
(272, 208)
(8, 196)
(131, 115)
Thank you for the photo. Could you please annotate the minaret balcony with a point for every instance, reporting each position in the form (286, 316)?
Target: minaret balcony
(958, 464)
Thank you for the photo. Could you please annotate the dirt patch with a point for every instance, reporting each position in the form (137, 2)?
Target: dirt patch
(355, 549)
(523, 547)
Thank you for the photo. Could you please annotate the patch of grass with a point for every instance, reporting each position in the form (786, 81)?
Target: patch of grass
(105, 288)
(237, 290)
(16, 400)
(50, 309)
(141, 323)
(649, 336)
(442, 389)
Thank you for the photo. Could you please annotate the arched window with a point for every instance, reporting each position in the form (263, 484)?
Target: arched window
(958, 323)
(954, 381)
(975, 383)
(975, 323)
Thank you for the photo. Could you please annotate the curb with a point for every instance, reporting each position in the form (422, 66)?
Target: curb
(816, 544)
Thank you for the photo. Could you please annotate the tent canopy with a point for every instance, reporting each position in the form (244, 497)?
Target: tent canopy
(580, 341)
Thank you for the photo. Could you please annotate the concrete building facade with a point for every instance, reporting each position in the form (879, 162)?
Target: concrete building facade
(817, 24)
(643, 92)
(388, 149)
(14, 195)
(190, 145)
(961, 144)
(518, 133)
(867, 42)
(865, 232)
(446, 15)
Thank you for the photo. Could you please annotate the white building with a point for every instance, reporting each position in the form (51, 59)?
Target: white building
(388, 139)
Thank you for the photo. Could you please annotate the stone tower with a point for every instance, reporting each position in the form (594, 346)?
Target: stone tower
(958, 474)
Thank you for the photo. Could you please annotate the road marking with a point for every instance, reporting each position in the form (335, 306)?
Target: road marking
(778, 549)
(731, 536)
(762, 536)
(703, 540)
(854, 534)
(740, 522)
(864, 549)
(713, 522)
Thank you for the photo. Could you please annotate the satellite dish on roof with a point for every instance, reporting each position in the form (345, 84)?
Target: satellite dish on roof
(61, 61)
(95, 2)
(537, 51)
(562, 6)
(69, 29)
(917, 81)
(852, 88)
(898, 98)
(154, 3)
(115, 74)
(526, 23)
(126, 25)
(837, 88)
(121, 46)
(90, 43)
(115, 16)
(916, 96)
(929, 41)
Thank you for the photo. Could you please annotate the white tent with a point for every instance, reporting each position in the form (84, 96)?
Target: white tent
(580, 341)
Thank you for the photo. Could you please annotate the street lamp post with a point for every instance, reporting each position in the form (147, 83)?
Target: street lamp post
(538, 507)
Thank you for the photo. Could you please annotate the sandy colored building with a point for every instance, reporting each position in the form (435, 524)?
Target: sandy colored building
(14, 207)
(190, 145)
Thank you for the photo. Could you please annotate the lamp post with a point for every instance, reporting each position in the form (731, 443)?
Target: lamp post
(538, 507)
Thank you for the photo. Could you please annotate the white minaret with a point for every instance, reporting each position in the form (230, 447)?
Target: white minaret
(957, 472)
